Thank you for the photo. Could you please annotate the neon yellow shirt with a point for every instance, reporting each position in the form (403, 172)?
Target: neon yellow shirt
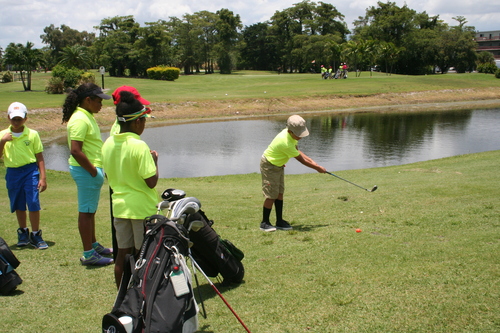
(115, 129)
(127, 162)
(21, 150)
(83, 127)
(281, 149)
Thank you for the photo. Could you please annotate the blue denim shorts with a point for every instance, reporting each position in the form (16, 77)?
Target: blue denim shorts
(89, 188)
(22, 186)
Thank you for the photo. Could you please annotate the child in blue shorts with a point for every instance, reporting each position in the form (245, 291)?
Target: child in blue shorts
(22, 149)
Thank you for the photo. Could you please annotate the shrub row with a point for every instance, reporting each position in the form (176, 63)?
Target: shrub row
(163, 73)
(487, 68)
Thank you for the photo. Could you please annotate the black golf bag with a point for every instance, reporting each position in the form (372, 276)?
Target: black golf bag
(9, 279)
(156, 289)
(212, 253)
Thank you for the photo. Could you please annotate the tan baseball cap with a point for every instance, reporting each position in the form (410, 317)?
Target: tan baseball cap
(297, 125)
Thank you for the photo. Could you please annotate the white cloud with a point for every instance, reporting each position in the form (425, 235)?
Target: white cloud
(24, 20)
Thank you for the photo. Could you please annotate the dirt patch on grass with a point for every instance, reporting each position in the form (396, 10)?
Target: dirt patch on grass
(48, 121)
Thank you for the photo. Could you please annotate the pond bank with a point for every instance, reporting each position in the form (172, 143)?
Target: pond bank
(48, 121)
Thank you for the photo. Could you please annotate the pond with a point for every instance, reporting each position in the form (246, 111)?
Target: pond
(338, 142)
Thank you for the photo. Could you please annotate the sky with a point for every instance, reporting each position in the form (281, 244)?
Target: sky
(24, 20)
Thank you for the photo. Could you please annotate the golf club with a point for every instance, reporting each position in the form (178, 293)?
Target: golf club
(374, 188)
(218, 293)
(189, 205)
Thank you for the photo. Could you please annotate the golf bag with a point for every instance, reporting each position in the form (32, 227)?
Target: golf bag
(213, 254)
(9, 279)
(155, 292)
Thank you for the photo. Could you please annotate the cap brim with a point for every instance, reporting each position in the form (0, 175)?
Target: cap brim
(143, 101)
(103, 96)
(17, 114)
(304, 134)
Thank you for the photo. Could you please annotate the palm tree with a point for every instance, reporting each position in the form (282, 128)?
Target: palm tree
(24, 59)
(75, 56)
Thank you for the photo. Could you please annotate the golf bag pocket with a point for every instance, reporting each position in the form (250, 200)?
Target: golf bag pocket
(213, 254)
(156, 290)
(112, 324)
(9, 279)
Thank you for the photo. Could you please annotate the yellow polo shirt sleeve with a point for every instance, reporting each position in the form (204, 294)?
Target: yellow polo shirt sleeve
(21, 150)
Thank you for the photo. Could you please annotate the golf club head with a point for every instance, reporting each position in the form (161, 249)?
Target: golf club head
(375, 187)
(196, 225)
(189, 205)
(172, 194)
(163, 205)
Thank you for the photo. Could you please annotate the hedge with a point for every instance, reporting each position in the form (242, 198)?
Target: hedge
(163, 73)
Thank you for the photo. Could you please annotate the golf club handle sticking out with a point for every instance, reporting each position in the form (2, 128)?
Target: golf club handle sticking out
(374, 188)
(218, 293)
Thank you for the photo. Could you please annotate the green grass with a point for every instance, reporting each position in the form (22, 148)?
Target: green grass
(252, 84)
(426, 259)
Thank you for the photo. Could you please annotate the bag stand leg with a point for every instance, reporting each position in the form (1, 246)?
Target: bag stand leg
(218, 293)
(198, 287)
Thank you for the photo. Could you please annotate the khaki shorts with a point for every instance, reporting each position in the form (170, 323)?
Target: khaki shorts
(273, 179)
(129, 233)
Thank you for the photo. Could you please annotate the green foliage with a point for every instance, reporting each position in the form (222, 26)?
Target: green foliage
(485, 57)
(497, 73)
(87, 77)
(487, 68)
(55, 86)
(24, 58)
(163, 73)
(64, 78)
(7, 77)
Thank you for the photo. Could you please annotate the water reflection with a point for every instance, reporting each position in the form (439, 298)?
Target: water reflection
(338, 142)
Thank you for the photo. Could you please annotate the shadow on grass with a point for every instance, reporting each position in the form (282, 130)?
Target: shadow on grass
(13, 293)
(305, 228)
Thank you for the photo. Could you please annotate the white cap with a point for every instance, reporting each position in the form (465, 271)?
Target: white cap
(17, 109)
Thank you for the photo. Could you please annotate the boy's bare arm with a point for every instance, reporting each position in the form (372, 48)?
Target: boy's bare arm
(309, 162)
(42, 182)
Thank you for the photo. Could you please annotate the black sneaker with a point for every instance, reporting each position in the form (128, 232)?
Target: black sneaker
(23, 237)
(37, 241)
(266, 226)
(283, 225)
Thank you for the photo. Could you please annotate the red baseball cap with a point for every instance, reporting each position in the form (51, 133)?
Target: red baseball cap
(116, 95)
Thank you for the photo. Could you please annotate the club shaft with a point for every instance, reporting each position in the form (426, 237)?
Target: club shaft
(220, 295)
(334, 175)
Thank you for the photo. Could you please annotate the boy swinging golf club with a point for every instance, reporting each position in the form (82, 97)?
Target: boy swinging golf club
(272, 168)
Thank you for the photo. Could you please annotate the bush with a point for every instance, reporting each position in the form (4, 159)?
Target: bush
(64, 78)
(55, 86)
(7, 77)
(497, 73)
(87, 77)
(487, 68)
(163, 73)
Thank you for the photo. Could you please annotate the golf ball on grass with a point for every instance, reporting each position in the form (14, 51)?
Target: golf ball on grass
(358, 230)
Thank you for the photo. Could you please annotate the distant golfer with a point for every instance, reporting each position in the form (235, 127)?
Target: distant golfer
(272, 168)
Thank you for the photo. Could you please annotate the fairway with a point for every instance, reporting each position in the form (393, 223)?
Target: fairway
(426, 259)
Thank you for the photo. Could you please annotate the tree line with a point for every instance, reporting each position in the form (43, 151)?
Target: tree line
(299, 39)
